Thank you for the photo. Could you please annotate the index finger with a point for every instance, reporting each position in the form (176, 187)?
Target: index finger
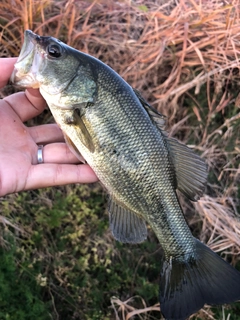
(6, 68)
(28, 104)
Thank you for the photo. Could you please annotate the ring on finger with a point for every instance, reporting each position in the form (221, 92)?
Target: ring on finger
(40, 154)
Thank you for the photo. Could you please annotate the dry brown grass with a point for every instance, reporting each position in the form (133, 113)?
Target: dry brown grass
(125, 311)
(171, 51)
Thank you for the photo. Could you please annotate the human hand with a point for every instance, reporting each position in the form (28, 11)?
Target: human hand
(19, 168)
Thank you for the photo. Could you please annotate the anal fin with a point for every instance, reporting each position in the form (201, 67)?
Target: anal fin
(125, 225)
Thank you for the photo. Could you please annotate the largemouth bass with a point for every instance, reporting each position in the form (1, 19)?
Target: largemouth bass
(123, 139)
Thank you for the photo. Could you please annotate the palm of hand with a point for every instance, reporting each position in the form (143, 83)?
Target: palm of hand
(18, 151)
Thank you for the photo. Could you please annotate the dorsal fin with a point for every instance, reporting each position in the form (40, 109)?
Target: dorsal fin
(158, 118)
(125, 225)
(190, 169)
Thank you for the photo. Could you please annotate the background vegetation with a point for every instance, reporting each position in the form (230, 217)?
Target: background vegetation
(58, 259)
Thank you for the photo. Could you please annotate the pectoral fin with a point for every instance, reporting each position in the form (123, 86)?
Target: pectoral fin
(74, 149)
(125, 225)
(84, 133)
(75, 120)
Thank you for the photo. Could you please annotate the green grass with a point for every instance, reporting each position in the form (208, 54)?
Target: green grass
(67, 260)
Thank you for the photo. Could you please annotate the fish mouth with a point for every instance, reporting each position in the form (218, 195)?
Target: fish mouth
(28, 44)
(24, 73)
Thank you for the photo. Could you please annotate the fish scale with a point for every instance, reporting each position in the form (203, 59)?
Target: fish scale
(160, 162)
(124, 140)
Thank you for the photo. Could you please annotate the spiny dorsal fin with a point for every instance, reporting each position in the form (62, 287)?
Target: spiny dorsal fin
(190, 169)
(125, 225)
(158, 118)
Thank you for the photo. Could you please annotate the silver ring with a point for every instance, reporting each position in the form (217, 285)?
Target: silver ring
(40, 154)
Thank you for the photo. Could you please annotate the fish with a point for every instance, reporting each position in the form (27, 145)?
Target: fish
(123, 139)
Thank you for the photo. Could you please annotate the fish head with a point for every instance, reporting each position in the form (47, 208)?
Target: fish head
(63, 76)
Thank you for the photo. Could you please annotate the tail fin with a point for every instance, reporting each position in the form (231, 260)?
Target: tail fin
(186, 286)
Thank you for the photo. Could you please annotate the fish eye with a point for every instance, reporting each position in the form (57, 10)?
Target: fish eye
(54, 50)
